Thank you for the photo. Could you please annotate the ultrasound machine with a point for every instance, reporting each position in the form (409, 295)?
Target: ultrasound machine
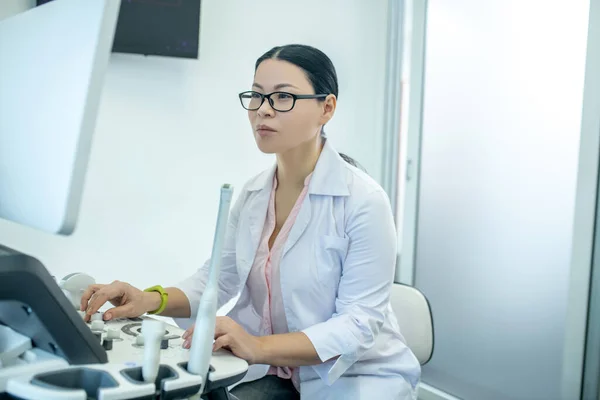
(53, 60)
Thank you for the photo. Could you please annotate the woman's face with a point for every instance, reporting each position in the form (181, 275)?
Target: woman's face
(276, 131)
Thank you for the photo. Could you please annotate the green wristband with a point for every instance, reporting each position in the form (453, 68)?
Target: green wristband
(164, 298)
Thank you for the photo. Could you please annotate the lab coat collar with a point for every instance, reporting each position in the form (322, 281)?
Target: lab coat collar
(329, 177)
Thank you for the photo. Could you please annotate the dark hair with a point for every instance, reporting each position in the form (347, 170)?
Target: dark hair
(318, 69)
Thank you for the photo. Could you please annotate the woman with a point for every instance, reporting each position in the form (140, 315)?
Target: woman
(311, 246)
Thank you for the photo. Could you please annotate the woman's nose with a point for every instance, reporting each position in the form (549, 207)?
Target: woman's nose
(265, 109)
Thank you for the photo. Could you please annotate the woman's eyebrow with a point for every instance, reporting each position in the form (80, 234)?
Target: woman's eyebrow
(277, 87)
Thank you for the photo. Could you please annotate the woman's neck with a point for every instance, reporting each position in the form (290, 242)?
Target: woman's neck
(296, 164)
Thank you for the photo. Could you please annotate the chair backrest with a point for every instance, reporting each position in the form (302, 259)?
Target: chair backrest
(414, 317)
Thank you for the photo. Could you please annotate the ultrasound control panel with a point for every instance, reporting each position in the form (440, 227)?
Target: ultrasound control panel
(48, 352)
(124, 344)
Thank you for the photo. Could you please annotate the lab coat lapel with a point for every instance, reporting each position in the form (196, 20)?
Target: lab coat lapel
(256, 216)
(328, 179)
(255, 226)
(299, 226)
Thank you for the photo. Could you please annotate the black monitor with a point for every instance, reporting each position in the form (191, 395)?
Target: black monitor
(32, 304)
(169, 28)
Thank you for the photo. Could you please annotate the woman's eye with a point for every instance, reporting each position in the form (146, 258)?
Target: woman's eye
(284, 96)
(256, 95)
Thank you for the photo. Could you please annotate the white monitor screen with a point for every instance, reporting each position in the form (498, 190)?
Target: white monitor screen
(52, 62)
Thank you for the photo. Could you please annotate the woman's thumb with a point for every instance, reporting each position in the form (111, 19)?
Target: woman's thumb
(118, 312)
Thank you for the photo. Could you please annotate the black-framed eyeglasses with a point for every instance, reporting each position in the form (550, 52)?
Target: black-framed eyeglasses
(279, 101)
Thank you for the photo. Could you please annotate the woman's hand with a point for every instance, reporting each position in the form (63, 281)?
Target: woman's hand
(127, 300)
(231, 336)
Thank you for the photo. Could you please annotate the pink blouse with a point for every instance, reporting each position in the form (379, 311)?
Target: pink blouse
(263, 280)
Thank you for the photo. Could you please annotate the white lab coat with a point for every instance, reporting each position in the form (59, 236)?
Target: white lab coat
(336, 271)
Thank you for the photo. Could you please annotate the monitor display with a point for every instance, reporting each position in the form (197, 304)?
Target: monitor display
(51, 83)
(168, 28)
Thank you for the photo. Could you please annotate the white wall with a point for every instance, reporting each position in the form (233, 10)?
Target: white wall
(502, 111)
(171, 131)
(9, 8)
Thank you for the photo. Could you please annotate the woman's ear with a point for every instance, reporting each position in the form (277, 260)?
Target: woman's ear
(329, 105)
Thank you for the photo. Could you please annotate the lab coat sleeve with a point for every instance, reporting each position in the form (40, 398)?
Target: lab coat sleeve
(363, 292)
(193, 286)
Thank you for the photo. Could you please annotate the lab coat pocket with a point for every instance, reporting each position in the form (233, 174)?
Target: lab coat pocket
(331, 253)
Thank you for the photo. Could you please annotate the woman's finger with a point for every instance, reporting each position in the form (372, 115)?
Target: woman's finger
(223, 326)
(188, 332)
(221, 342)
(124, 311)
(85, 297)
(100, 297)
(187, 337)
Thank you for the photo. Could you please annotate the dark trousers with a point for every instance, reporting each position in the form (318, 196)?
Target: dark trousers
(270, 387)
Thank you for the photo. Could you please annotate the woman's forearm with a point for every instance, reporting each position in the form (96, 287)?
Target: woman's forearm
(178, 305)
(288, 350)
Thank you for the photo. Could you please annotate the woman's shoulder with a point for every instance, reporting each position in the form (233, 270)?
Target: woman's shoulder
(367, 206)
(363, 188)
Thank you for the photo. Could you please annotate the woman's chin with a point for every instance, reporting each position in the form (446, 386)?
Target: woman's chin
(266, 146)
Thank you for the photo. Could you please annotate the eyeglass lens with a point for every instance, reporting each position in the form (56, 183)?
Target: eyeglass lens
(280, 101)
